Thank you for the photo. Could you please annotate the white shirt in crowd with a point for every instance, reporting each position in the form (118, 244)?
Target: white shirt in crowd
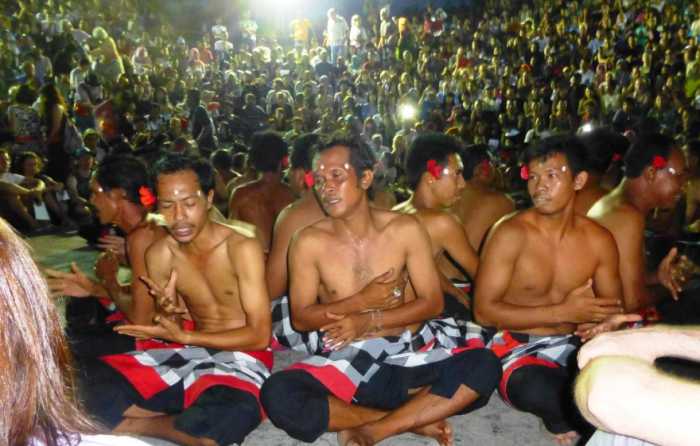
(337, 31)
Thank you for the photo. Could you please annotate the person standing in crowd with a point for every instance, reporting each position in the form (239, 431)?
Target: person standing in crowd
(337, 36)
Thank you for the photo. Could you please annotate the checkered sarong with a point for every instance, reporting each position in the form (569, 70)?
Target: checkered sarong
(342, 372)
(196, 368)
(516, 350)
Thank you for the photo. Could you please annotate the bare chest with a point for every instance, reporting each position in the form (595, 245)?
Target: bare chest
(546, 273)
(348, 267)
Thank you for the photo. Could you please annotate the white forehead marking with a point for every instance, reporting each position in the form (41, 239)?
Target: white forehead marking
(563, 168)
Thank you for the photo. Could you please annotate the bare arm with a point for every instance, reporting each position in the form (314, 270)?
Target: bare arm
(453, 239)
(424, 276)
(248, 257)
(276, 268)
(629, 237)
(606, 279)
(134, 301)
(631, 397)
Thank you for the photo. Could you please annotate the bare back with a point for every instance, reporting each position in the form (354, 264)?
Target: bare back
(479, 210)
(259, 203)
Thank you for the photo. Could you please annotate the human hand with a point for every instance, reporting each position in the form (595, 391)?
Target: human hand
(113, 243)
(107, 267)
(344, 330)
(670, 274)
(166, 297)
(162, 328)
(581, 305)
(612, 323)
(74, 284)
(384, 291)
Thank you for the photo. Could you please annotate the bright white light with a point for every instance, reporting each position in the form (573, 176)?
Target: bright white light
(407, 112)
(587, 127)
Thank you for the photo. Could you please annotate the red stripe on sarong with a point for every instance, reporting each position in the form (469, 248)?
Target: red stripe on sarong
(264, 356)
(145, 379)
(526, 360)
(336, 381)
(471, 345)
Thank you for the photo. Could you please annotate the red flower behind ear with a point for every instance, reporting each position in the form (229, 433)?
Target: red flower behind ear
(617, 157)
(524, 172)
(146, 197)
(659, 162)
(485, 168)
(285, 161)
(434, 169)
(309, 179)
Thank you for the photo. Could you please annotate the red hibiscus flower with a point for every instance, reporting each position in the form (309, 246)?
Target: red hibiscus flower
(524, 172)
(434, 169)
(146, 197)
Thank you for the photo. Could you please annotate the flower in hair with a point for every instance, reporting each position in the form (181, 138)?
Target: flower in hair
(616, 157)
(285, 161)
(524, 172)
(146, 197)
(434, 169)
(309, 179)
(659, 162)
(485, 167)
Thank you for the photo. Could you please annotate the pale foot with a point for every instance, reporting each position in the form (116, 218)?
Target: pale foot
(440, 431)
(566, 438)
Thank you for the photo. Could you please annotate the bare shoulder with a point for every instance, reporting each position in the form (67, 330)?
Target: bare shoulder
(511, 229)
(161, 248)
(596, 234)
(439, 219)
(396, 222)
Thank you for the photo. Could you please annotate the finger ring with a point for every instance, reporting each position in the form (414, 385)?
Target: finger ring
(397, 291)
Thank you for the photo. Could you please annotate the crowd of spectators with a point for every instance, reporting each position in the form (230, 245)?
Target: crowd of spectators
(79, 82)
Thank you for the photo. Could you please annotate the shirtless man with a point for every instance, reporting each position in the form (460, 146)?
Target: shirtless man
(434, 173)
(655, 172)
(355, 360)
(203, 390)
(119, 191)
(603, 145)
(260, 201)
(542, 272)
(303, 212)
(480, 206)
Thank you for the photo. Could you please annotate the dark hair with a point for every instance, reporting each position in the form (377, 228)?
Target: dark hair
(565, 144)
(643, 150)
(301, 157)
(221, 159)
(601, 145)
(361, 155)
(472, 156)
(267, 150)
(25, 95)
(123, 172)
(172, 162)
(428, 146)
(24, 156)
(238, 161)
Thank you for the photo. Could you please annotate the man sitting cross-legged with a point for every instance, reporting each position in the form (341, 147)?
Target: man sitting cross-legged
(204, 390)
(542, 272)
(434, 173)
(369, 360)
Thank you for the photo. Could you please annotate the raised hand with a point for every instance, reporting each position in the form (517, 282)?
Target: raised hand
(74, 283)
(384, 291)
(113, 243)
(166, 297)
(581, 305)
(672, 272)
(107, 266)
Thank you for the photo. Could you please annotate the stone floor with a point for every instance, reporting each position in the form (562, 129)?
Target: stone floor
(494, 425)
